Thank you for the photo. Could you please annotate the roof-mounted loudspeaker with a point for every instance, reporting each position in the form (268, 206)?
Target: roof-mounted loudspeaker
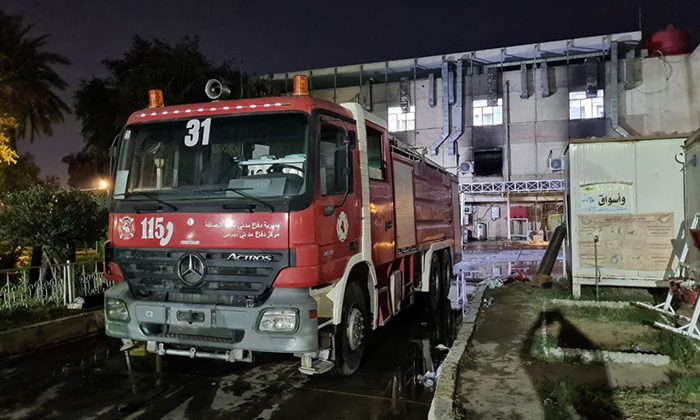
(216, 90)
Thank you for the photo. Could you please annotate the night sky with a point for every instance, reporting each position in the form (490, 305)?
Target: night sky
(283, 35)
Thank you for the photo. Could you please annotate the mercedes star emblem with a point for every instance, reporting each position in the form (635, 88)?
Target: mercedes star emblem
(191, 269)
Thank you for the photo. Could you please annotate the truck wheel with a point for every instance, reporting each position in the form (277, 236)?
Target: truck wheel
(351, 334)
(446, 273)
(435, 283)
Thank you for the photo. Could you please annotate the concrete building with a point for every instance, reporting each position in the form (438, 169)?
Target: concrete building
(501, 116)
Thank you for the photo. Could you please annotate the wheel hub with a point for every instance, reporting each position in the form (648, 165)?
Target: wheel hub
(355, 328)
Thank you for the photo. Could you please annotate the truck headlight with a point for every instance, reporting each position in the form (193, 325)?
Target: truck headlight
(278, 320)
(116, 310)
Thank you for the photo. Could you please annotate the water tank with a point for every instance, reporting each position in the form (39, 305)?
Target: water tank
(668, 42)
(480, 231)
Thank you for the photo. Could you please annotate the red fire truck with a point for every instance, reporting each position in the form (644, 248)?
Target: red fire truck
(281, 224)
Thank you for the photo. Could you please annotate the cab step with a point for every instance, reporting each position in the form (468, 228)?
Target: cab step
(317, 367)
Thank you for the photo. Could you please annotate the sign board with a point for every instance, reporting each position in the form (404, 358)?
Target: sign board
(627, 242)
(606, 198)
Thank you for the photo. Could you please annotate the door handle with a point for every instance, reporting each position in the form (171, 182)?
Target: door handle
(389, 225)
(328, 210)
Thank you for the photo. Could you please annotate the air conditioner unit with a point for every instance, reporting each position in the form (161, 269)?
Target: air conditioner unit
(467, 167)
(556, 164)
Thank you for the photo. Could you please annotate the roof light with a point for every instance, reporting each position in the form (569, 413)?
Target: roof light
(155, 98)
(301, 85)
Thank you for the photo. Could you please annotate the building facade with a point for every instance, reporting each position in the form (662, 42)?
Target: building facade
(502, 119)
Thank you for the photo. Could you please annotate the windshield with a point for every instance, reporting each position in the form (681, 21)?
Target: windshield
(253, 156)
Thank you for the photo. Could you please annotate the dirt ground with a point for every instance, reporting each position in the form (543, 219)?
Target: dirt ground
(500, 379)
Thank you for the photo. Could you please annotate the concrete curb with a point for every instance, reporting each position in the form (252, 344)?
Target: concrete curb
(586, 356)
(442, 406)
(32, 337)
(591, 303)
(605, 356)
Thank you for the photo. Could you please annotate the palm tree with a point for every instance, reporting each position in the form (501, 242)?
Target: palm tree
(29, 105)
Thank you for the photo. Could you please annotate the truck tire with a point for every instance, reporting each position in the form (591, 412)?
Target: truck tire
(446, 273)
(435, 281)
(351, 333)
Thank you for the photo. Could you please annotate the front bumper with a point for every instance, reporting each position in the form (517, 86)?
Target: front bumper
(222, 327)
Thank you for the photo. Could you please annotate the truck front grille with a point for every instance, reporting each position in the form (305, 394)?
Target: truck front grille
(245, 280)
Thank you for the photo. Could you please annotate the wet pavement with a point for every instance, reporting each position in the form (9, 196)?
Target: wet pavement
(487, 260)
(89, 379)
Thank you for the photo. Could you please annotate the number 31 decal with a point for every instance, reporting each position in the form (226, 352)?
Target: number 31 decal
(194, 126)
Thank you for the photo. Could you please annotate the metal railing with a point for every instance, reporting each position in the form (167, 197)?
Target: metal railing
(501, 187)
(57, 284)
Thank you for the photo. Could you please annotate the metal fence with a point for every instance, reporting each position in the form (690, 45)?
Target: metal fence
(58, 284)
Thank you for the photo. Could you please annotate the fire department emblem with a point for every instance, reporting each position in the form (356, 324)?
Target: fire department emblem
(342, 226)
(125, 227)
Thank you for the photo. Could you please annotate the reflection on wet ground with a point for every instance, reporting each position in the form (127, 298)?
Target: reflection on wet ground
(481, 263)
(89, 379)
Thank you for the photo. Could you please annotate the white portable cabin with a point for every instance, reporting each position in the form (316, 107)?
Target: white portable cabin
(691, 151)
(629, 194)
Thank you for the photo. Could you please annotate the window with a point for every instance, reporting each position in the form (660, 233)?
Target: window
(400, 120)
(375, 155)
(483, 114)
(581, 107)
(262, 155)
(333, 161)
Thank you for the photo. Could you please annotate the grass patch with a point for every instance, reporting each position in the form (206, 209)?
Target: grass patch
(562, 290)
(21, 317)
(675, 399)
(563, 399)
(685, 387)
(632, 314)
(617, 294)
(681, 350)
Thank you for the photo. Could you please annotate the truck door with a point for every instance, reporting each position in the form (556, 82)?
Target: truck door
(381, 195)
(337, 212)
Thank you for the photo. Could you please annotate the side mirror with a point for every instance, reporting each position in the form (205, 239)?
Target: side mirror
(113, 154)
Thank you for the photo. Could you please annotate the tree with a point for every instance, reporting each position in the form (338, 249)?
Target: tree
(103, 105)
(29, 105)
(54, 218)
(20, 176)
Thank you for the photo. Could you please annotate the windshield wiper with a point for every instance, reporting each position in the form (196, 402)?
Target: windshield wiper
(150, 196)
(240, 192)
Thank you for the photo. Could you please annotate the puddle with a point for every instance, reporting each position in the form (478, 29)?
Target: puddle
(64, 379)
(480, 264)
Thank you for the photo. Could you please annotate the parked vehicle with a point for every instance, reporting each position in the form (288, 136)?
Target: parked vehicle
(284, 224)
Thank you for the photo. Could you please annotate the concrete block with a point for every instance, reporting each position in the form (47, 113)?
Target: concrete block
(32, 337)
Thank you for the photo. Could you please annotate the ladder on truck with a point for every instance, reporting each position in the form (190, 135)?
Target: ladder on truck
(681, 278)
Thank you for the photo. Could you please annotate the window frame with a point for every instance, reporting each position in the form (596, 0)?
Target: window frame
(479, 109)
(376, 174)
(409, 124)
(353, 137)
(594, 104)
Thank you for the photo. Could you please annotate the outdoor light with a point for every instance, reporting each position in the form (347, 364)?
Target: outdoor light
(116, 310)
(102, 184)
(278, 320)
